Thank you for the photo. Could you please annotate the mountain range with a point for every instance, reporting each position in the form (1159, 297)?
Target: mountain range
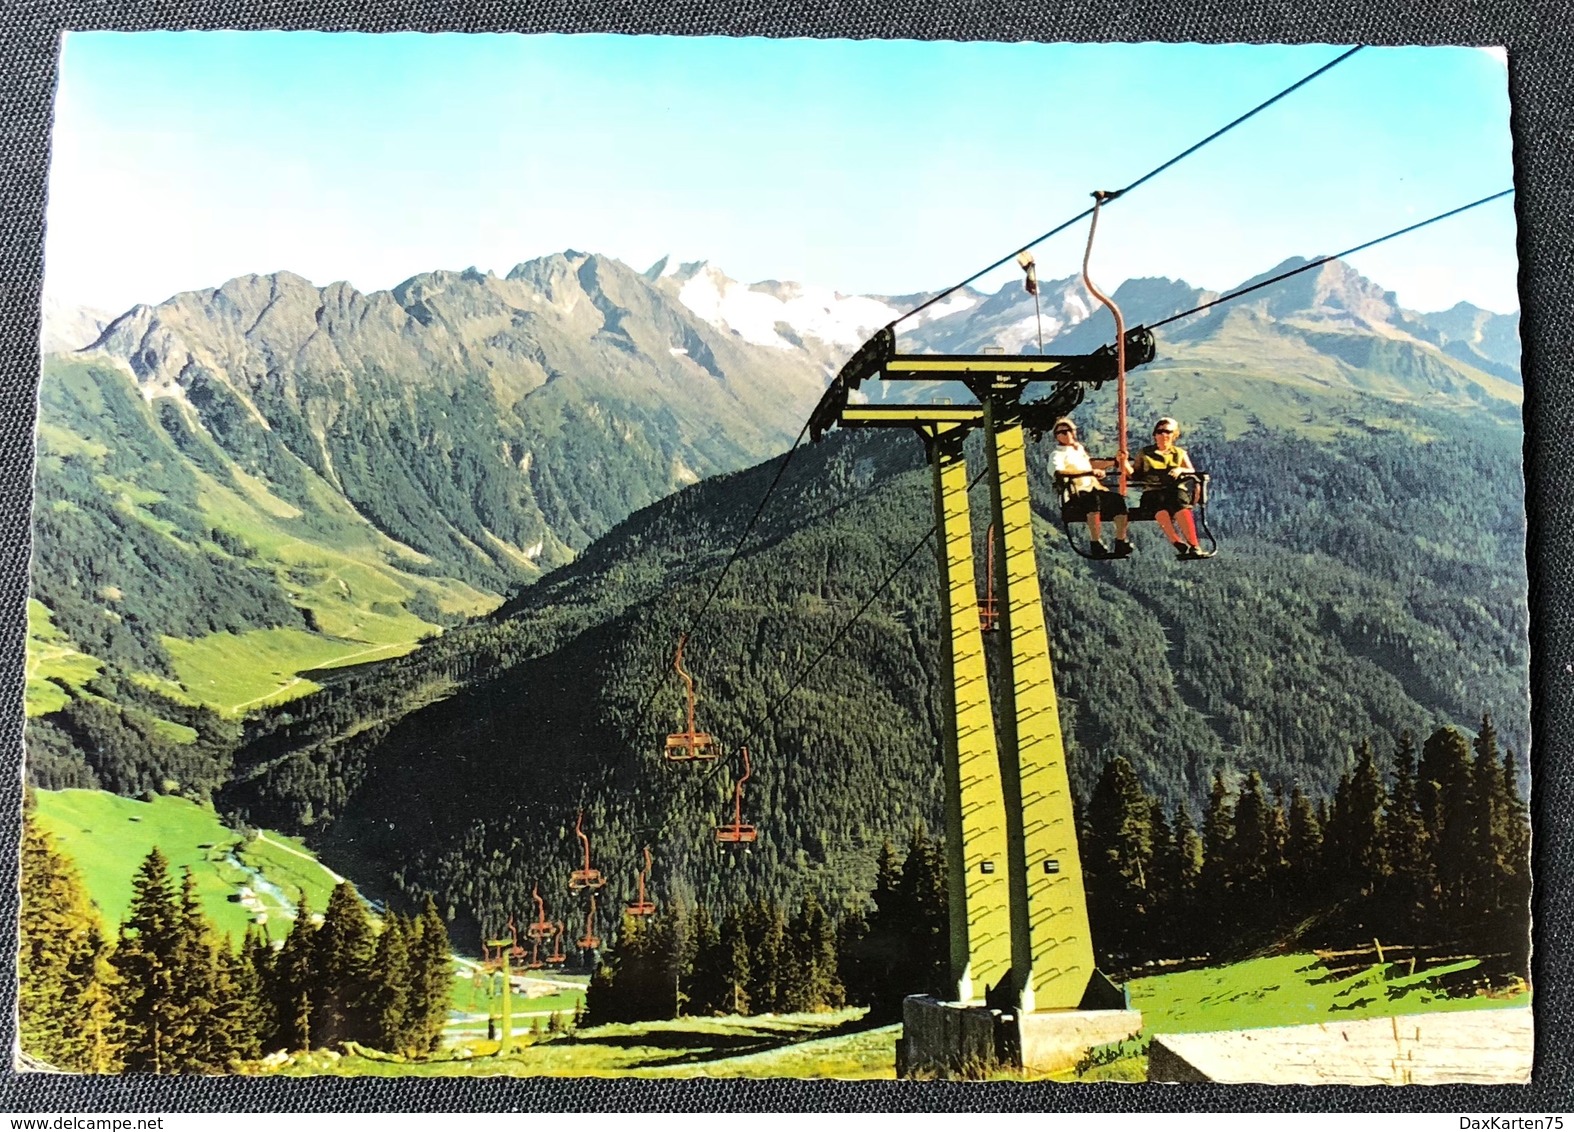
(465, 518)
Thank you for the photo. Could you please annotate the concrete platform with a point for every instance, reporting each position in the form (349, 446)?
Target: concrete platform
(948, 1039)
(1478, 1047)
(1057, 1039)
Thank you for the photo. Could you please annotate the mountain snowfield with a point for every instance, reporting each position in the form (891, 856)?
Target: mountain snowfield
(826, 325)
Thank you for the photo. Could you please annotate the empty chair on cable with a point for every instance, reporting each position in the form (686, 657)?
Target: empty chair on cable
(557, 956)
(738, 833)
(541, 927)
(642, 907)
(689, 745)
(587, 877)
(590, 940)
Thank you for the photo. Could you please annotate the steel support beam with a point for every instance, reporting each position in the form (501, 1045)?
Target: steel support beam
(976, 822)
(1051, 944)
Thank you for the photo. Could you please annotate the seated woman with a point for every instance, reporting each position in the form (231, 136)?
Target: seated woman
(1085, 496)
(1161, 468)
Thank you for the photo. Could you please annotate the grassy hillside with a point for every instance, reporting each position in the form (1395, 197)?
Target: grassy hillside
(1282, 990)
(108, 837)
(160, 554)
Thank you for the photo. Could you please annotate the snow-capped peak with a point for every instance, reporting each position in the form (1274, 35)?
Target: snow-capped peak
(755, 312)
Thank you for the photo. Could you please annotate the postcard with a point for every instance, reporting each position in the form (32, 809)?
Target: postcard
(634, 556)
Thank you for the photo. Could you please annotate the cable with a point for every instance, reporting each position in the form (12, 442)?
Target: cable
(1146, 177)
(1325, 259)
(736, 550)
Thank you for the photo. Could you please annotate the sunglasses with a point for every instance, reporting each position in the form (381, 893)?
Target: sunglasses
(1163, 432)
(1065, 432)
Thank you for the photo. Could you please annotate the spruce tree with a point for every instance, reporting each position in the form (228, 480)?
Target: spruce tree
(765, 929)
(1118, 856)
(1449, 809)
(292, 984)
(341, 971)
(812, 979)
(707, 983)
(260, 958)
(431, 973)
(390, 989)
(65, 1013)
(147, 1010)
(735, 964)
(925, 897)
(1213, 898)
(1410, 884)
(1247, 857)
(1303, 854)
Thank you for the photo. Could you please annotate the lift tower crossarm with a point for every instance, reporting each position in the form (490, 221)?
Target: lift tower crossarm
(877, 359)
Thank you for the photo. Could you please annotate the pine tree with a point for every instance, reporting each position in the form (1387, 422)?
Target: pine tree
(292, 984)
(707, 986)
(147, 1011)
(1448, 807)
(342, 951)
(431, 975)
(1409, 855)
(390, 991)
(65, 982)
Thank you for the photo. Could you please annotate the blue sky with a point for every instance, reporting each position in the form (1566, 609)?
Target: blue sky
(182, 159)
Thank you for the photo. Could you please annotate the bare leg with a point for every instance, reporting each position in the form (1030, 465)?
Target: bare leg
(1167, 525)
(1120, 527)
(1095, 526)
(1188, 526)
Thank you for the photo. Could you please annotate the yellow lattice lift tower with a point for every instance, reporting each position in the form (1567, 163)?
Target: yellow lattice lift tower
(1026, 990)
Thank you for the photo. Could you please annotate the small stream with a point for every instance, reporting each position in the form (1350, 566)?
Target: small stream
(262, 886)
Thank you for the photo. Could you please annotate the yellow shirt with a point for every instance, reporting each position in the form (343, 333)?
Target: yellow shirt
(1151, 464)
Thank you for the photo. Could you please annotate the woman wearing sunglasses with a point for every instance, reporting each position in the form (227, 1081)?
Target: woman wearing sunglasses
(1161, 467)
(1084, 496)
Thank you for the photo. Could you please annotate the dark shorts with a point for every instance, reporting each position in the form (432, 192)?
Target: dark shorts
(1084, 503)
(1167, 499)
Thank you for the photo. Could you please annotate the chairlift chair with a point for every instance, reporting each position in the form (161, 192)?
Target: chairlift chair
(540, 927)
(988, 614)
(1193, 484)
(689, 745)
(642, 907)
(587, 877)
(590, 941)
(557, 957)
(738, 833)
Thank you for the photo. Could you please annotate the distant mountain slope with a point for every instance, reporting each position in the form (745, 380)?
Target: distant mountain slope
(1333, 615)
(244, 489)
(331, 475)
(67, 327)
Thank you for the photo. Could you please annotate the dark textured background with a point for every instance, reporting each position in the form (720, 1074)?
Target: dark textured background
(1541, 77)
